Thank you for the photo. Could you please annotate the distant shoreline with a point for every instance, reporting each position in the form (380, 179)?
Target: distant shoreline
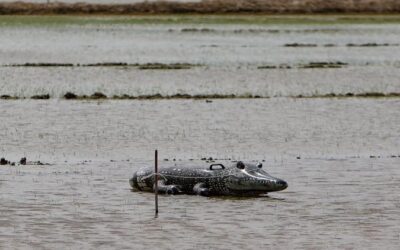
(207, 7)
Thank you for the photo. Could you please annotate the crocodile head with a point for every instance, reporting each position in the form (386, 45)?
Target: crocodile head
(251, 178)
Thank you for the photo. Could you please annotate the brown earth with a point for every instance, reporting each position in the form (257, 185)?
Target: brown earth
(208, 7)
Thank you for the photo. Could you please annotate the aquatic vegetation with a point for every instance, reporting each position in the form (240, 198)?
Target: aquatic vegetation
(300, 45)
(41, 65)
(358, 95)
(106, 64)
(322, 65)
(98, 95)
(306, 45)
(41, 97)
(207, 97)
(311, 65)
(8, 97)
(198, 30)
(70, 95)
(3, 161)
(166, 66)
(280, 66)
(110, 64)
(23, 161)
(372, 45)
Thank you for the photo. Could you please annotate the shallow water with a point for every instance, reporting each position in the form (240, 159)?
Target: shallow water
(25, 82)
(229, 56)
(340, 156)
(337, 197)
(245, 129)
(223, 45)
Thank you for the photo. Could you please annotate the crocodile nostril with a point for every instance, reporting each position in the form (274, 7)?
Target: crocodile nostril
(282, 183)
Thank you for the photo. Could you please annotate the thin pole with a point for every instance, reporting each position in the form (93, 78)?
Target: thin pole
(156, 182)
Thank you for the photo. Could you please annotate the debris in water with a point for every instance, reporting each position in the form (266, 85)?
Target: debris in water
(98, 95)
(166, 66)
(3, 161)
(281, 66)
(105, 64)
(372, 45)
(70, 95)
(322, 65)
(41, 97)
(42, 65)
(8, 97)
(23, 161)
(300, 45)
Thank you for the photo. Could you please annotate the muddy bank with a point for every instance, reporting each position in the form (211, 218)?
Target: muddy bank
(208, 98)
(207, 7)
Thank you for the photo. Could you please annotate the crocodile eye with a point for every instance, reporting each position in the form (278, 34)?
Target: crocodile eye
(240, 165)
(259, 165)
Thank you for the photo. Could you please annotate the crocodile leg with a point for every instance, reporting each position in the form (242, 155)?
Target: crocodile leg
(201, 189)
(167, 189)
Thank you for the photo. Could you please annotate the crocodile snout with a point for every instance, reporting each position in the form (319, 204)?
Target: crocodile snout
(281, 184)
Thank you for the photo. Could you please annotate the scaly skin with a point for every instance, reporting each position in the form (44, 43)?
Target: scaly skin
(239, 179)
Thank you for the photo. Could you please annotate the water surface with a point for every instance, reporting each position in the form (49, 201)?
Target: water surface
(340, 156)
(338, 195)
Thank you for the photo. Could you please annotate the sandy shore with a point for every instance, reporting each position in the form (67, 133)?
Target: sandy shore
(207, 7)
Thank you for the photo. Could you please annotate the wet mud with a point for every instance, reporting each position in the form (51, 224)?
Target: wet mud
(205, 7)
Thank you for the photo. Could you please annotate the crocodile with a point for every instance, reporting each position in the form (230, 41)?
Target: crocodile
(240, 179)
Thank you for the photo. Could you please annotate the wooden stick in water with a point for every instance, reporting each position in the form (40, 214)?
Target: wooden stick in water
(156, 182)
